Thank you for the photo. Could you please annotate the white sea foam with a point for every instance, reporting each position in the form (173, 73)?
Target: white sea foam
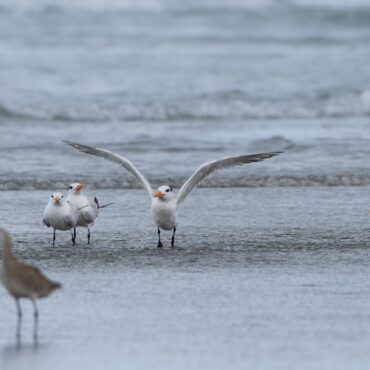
(216, 106)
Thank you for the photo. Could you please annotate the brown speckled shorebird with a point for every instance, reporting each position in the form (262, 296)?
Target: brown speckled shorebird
(23, 281)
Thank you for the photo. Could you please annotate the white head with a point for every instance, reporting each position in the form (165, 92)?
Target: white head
(75, 188)
(56, 199)
(164, 193)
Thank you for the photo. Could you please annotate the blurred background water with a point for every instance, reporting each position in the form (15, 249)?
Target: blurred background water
(171, 84)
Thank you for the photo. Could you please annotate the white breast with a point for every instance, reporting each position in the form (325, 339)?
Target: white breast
(60, 217)
(164, 213)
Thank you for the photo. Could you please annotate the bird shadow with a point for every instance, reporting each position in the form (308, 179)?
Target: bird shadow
(13, 351)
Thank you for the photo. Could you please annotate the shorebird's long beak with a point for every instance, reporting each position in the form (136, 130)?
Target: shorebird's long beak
(80, 187)
(158, 194)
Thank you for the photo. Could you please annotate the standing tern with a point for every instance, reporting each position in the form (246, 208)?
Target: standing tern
(23, 281)
(89, 207)
(60, 215)
(163, 201)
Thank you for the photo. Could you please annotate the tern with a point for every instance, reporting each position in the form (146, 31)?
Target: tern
(89, 207)
(60, 215)
(23, 281)
(164, 202)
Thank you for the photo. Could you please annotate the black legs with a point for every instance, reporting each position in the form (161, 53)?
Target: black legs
(19, 319)
(73, 238)
(36, 319)
(88, 234)
(73, 235)
(160, 245)
(173, 237)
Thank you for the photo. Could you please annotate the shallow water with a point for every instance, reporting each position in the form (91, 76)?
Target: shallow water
(263, 283)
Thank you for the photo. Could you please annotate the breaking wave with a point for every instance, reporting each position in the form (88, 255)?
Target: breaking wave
(234, 105)
(251, 181)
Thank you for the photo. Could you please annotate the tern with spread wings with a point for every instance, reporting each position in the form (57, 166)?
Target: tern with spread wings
(163, 201)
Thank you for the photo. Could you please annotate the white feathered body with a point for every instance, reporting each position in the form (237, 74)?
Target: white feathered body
(60, 216)
(86, 207)
(165, 213)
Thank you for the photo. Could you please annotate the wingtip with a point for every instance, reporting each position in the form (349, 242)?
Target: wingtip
(273, 154)
(71, 143)
(75, 145)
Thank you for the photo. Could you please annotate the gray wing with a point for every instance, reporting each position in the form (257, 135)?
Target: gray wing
(45, 222)
(69, 221)
(110, 156)
(210, 167)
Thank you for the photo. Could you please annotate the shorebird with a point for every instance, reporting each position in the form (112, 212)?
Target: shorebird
(89, 207)
(23, 281)
(164, 202)
(60, 215)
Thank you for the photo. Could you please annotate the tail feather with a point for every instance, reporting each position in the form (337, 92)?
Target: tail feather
(99, 206)
(105, 205)
(55, 285)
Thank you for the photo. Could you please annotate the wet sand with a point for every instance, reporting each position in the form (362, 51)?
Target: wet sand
(258, 284)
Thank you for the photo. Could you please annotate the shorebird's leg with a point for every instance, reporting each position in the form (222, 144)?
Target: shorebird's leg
(88, 235)
(54, 237)
(73, 238)
(75, 233)
(19, 318)
(36, 319)
(160, 245)
(173, 237)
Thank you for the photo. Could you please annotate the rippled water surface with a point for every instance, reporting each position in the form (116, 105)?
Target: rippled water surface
(261, 283)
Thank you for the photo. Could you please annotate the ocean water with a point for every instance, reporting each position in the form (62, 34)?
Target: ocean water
(172, 84)
(271, 264)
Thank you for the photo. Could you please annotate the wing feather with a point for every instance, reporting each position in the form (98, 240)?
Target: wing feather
(110, 156)
(32, 278)
(210, 167)
(68, 220)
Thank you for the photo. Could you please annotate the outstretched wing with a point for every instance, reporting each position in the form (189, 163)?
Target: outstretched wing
(210, 167)
(110, 156)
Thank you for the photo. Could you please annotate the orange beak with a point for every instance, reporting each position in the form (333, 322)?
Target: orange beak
(57, 200)
(158, 194)
(80, 187)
